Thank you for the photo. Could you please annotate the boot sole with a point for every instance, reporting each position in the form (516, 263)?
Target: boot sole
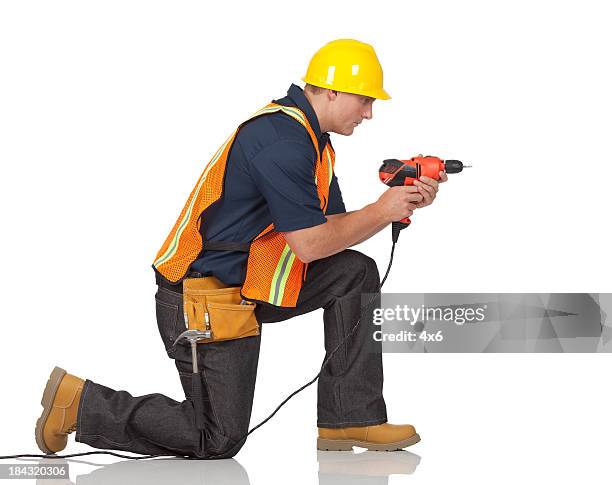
(347, 445)
(47, 402)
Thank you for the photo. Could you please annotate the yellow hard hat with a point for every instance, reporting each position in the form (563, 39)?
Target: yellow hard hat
(349, 66)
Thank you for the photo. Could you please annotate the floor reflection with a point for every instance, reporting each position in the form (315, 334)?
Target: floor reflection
(335, 468)
(365, 468)
(160, 471)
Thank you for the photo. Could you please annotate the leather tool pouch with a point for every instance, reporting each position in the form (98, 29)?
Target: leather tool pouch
(212, 307)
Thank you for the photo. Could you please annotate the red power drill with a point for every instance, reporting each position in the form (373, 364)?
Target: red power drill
(395, 172)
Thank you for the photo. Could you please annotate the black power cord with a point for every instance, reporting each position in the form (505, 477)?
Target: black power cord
(242, 438)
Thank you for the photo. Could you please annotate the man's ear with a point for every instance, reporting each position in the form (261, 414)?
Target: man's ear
(331, 94)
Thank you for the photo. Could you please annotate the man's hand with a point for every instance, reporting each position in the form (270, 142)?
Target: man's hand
(428, 188)
(398, 202)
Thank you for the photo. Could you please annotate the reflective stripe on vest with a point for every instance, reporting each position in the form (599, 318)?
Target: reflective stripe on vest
(274, 274)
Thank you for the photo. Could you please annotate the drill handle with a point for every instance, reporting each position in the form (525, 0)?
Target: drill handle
(396, 227)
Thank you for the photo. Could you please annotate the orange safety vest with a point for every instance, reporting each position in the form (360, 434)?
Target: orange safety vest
(274, 274)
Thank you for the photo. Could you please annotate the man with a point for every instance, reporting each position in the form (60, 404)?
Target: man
(266, 215)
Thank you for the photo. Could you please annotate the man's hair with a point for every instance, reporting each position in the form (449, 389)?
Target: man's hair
(313, 89)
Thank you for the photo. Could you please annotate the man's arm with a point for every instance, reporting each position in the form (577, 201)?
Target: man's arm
(344, 230)
(338, 233)
(374, 230)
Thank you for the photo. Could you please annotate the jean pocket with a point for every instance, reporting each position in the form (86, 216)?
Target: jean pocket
(168, 324)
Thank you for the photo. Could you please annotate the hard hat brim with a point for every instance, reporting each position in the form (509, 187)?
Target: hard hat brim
(373, 93)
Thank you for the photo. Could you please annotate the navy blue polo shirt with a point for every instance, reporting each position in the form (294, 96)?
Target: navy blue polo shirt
(269, 178)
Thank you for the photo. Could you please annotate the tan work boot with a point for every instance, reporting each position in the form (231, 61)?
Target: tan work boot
(59, 417)
(381, 437)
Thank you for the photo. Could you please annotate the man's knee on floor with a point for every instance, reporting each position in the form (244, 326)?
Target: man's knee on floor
(229, 437)
(228, 449)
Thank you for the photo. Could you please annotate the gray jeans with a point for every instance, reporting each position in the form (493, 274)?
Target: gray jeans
(349, 388)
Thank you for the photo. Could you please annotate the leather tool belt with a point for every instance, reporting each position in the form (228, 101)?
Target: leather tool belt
(217, 309)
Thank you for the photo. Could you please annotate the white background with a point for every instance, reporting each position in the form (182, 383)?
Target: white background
(110, 110)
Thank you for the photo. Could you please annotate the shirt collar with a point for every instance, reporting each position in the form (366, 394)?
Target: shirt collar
(296, 97)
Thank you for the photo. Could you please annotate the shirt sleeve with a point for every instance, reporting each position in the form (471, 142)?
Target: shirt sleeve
(335, 204)
(284, 174)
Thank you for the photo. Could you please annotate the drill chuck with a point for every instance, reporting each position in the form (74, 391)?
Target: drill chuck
(454, 166)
